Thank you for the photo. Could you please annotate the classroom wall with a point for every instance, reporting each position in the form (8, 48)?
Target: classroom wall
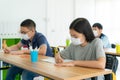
(53, 17)
(13, 12)
(59, 14)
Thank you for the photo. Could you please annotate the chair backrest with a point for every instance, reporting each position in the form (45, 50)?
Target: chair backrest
(111, 63)
(110, 60)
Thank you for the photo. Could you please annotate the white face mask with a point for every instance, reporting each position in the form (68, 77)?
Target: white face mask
(76, 41)
(95, 33)
(25, 37)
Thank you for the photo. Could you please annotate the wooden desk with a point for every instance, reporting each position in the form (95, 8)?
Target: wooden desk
(51, 71)
(111, 51)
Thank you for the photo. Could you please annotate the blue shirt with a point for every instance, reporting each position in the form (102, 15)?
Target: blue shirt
(106, 43)
(37, 41)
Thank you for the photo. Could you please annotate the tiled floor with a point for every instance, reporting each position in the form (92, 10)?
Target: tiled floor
(118, 70)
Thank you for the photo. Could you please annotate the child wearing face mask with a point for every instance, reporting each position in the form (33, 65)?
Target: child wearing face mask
(97, 30)
(30, 39)
(85, 50)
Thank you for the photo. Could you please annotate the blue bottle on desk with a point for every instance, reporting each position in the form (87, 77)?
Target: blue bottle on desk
(34, 55)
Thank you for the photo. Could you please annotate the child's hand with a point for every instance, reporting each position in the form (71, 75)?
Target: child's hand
(58, 58)
(7, 50)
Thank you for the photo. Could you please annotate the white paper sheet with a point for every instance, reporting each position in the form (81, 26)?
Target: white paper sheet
(52, 60)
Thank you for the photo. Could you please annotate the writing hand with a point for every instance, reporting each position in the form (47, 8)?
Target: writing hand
(7, 50)
(58, 58)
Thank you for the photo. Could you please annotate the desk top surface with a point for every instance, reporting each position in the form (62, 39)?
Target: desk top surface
(50, 70)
